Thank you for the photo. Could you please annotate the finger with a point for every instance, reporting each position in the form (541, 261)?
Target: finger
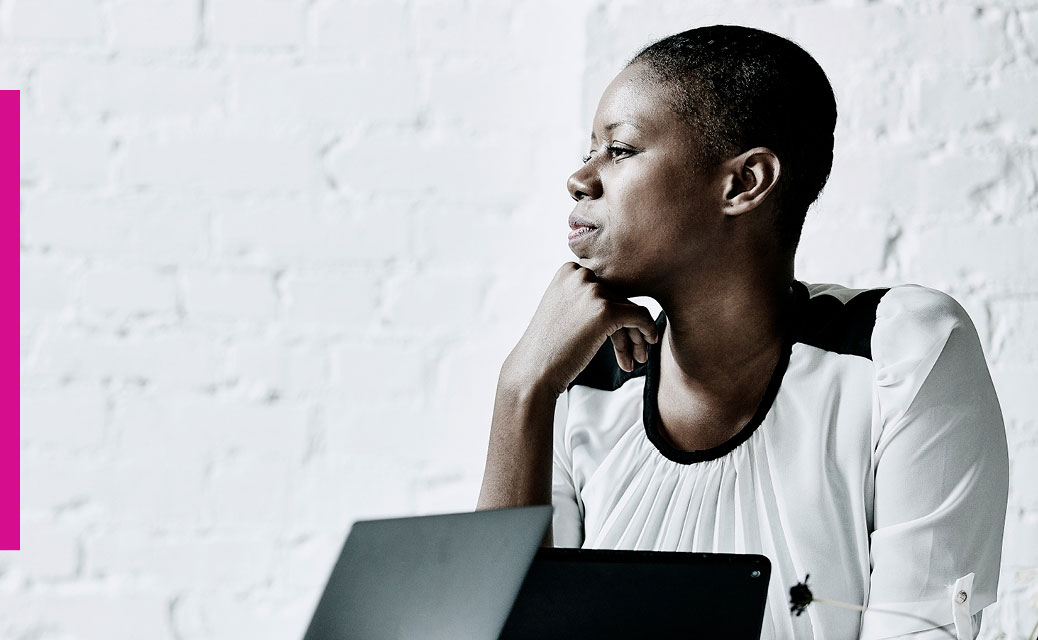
(637, 317)
(622, 347)
(639, 348)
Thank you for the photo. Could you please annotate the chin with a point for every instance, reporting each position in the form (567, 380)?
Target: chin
(619, 283)
(594, 265)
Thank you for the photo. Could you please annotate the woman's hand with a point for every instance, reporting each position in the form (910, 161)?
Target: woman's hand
(576, 314)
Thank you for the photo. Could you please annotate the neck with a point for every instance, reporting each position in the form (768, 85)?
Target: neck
(721, 333)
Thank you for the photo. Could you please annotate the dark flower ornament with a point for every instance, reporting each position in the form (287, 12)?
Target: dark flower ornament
(800, 596)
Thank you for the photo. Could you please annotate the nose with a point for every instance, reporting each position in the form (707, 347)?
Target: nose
(584, 182)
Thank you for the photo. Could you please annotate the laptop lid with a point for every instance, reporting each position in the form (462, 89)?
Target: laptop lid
(584, 593)
(447, 576)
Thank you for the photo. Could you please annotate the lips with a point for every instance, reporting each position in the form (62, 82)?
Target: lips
(576, 222)
(581, 228)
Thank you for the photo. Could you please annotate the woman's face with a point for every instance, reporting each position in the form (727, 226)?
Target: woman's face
(654, 210)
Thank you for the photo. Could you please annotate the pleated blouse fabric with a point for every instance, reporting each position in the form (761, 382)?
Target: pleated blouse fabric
(876, 463)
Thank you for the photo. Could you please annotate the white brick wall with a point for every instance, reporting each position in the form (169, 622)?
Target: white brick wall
(273, 254)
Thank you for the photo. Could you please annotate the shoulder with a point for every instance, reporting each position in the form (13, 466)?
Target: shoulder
(917, 326)
(911, 306)
(869, 322)
(835, 318)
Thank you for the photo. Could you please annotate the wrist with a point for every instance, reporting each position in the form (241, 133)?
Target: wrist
(521, 385)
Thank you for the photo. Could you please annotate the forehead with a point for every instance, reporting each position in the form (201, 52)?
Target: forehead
(636, 98)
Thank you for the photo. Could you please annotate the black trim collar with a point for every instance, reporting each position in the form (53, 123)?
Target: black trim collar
(651, 411)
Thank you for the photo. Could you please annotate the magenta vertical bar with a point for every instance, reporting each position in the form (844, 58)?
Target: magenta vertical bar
(10, 380)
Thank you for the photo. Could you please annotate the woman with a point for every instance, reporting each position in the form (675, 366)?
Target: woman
(852, 435)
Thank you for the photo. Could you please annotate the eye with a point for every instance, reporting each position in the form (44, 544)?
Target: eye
(586, 158)
(618, 153)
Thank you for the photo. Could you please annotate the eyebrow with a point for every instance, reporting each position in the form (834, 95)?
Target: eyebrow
(610, 127)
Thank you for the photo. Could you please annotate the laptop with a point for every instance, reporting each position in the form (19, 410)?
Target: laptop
(482, 576)
(451, 576)
(587, 593)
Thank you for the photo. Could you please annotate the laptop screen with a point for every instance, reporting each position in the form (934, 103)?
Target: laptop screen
(583, 593)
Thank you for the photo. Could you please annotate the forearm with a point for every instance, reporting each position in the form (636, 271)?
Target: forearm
(518, 469)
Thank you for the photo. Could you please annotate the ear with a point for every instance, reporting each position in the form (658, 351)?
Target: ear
(748, 179)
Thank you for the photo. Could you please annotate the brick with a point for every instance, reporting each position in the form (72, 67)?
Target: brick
(174, 359)
(71, 159)
(219, 162)
(180, 562)
(319, 502)
(45, 285)
(154, 25)
(952, 99)
(71, 488)
(77, 224)
(468, 378)
(275, 230)
(366, 30)
(401, 426)
(216, 612)
(382, 370)
(339, 301)
(1015, 385)
(230, 296)
(937, 255)
(269, 366)
(285, 231)
(12, 75)
(243, 492)
(168, 231)
(256, 23)
(49, 550)
(155, 491)
(432, 303)
(447, 492)
(414, 166)
(225, 431)
(326, 95)
(70, 419)
(969, 36)
(446, 238)
(512, 298)
(956, 182)
(1029, 30)
(1023, 490)
(56, 20)
(871, 103)
(1015, 343)
(92, 90)
(478, 98)
(838, 244)
(454, 27)
(144, 229)
(1015, 89)
(302, 564)
(879, 175)
(1018, 545)
(842, 37)
(113, 612)
(126, 290)
(372, 233)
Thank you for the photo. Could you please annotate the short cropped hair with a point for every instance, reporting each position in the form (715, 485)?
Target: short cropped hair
(742, 88)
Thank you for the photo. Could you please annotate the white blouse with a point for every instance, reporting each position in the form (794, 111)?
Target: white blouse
(876, 463)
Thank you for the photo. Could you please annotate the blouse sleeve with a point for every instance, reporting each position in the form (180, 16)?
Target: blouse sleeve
(568, 519)
(941, 471)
